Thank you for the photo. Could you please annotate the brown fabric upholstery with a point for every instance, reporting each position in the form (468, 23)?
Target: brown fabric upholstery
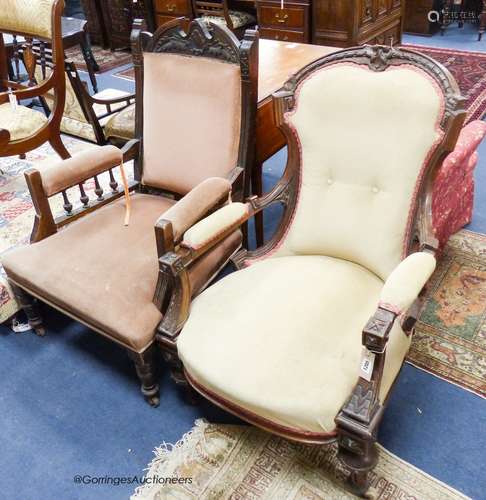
(196, 204)
(105, 273)
(79, 168)
(192, 105)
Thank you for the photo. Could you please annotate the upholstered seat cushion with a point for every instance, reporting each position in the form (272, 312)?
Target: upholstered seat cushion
(21, 123)
(105, 273)
(121, 125)
(238, 18)
(282, 338)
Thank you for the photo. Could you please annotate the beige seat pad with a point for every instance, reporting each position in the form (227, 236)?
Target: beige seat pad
(122, 124)
(282, 338)
(104, 273)
(21, 123)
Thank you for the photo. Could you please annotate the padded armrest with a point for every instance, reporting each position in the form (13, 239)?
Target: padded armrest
(196, 204)
(469, 139)
(406, 281)
(77, 169)
(215, 225)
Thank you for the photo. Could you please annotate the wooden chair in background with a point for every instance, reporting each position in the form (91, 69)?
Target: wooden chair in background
(217, 11)
(23, 129)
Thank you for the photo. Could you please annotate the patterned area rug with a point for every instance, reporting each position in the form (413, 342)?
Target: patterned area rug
(126, 74)
(469, 70)
(106, 59)
(450, 337)
(16, 211)
(242, 462)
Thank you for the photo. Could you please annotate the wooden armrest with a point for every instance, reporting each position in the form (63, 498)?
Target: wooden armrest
(77, 169)
(196, 204)
(113, 100)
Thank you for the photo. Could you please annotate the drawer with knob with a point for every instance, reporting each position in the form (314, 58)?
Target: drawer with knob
(288, 22)
(282, 35)
(287, 17)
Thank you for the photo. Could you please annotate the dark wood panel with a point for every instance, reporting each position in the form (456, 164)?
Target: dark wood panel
(282, 35)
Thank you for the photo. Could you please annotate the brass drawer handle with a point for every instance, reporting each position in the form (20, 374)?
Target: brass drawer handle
(282, 19)
(284, 39)
(171, 8)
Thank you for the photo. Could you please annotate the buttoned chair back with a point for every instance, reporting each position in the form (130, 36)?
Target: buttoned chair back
(364, 147)
(202, 88)
(31, 34)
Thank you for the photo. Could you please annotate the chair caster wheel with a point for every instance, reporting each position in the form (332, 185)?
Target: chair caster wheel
(153, 401)
(40, 331)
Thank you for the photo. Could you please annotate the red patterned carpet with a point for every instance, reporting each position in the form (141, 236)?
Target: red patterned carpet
(469, 70)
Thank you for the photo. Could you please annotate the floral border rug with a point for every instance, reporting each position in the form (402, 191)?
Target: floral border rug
(450, 336)
(106, 59)
(17, 212)
(244, 463)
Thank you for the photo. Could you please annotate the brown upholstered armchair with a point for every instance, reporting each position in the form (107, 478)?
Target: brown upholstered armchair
(106, 274)
(307, 338)
(23, 129)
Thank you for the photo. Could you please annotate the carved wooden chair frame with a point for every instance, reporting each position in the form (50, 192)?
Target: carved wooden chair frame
(87, 101)
(50, 132)
(357, 421)
(213, 41)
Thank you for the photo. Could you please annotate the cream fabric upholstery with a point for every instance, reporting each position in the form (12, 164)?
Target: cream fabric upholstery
(407, 280)
(282, 338)
(192, 115)
(238, 18)
(21, 123)
(29, 16)
(364, 137)
(213, 225)
(73, 120)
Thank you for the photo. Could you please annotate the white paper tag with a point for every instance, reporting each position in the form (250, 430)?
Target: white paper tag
(20, 327)
(13, 101)
(366, 365)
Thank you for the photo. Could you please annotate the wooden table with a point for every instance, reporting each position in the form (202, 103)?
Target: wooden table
(277, 62)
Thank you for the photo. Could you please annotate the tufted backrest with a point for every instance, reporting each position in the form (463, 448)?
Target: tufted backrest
(191, 119)
(31, 17)
(365, 138)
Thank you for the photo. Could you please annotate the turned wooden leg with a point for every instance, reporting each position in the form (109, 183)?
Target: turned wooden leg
(146, 368)
(30, 306)
(178, 376)
(359, 457)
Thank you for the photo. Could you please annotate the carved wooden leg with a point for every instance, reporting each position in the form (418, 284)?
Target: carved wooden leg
(178, 376)
(358, 462)
(146, 370)
(30, 306)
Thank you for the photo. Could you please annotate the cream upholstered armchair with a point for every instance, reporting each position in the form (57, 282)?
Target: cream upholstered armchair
(23, 129)
(307, 338)
(103, 268)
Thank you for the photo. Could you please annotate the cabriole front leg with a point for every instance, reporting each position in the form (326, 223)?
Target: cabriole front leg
(146, 368)
(30, 306)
